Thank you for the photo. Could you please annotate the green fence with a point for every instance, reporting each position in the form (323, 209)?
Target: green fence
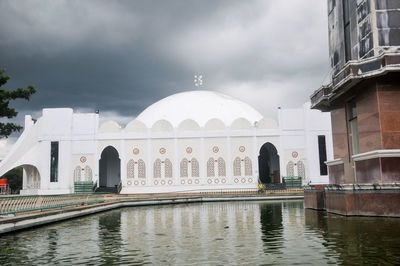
(18, 204)
(83, 186)
(293, 181)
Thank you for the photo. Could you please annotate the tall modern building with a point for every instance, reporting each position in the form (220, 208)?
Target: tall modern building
(364, 100)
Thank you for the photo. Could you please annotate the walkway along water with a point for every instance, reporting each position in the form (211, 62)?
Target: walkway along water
(20, 212)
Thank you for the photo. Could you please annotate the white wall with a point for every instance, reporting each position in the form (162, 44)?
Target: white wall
(79, 135)
(300, 130)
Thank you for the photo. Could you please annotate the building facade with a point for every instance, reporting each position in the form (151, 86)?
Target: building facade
(188, 142)
(363, 98)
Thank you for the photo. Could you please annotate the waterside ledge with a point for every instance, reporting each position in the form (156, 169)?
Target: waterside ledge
(355, 199)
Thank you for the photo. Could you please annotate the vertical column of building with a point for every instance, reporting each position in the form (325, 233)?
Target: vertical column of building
(123, 161)
(229, 173)
(149, 164)
(255, 155)
(176, 163)
(281, 150)
(203, 169)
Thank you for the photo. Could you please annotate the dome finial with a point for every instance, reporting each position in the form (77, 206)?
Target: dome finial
(198, 80)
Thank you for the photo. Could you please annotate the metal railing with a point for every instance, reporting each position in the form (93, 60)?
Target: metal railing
(285, 191)
(94, 186)
(119, 188)
(292, 181)
(18, 204)
(4, 189)
(83, 187)
(33, 185)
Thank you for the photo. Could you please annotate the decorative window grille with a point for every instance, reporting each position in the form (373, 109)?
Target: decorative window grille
(237, 171)
(290, 169)
(168, 168)
(195, 168)
(77, 173)
(248, 168)
(130, 169)
(141, 169)
(88, 173)
(184, 168)
(157, 169)
(301, 170)
(210, 168)
(221, 167)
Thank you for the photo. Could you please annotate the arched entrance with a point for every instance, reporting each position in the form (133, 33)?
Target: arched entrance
(109, 170)
(12, 181)
(23, 179)
(268, 164)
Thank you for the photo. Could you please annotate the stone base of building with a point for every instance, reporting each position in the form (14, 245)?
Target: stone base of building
(314, 197)
(355, 199)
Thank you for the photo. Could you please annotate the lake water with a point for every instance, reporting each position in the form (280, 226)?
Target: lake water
(227, 233)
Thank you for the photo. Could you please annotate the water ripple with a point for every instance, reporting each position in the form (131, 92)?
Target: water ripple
(238, 233)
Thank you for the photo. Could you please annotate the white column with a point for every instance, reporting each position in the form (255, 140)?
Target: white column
(149, 164)
(96, 161)
(44, 165)
(203, 171)
(255, 159)
(229, 173)
(24, 177)
(123, 163)
(176, 162)
(96, 155)
(280, 151)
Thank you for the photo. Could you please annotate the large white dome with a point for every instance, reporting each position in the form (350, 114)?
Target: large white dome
(200, 106)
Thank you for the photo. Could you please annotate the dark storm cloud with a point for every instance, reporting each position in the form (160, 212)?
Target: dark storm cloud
(121, 56)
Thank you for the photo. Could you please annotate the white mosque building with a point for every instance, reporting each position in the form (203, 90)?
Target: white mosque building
(195, 141)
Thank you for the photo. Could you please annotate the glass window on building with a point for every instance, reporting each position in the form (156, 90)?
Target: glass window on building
(323, 169)
(346, 29)
(352, 127)
(54, 162)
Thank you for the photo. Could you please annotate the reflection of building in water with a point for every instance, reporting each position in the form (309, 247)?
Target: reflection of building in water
(193, 232)
(69, 242)
(109, 239)
(271, 226)
(357, 240)
(192, 141)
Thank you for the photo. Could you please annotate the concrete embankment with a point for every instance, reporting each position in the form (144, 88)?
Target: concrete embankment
(22, 221)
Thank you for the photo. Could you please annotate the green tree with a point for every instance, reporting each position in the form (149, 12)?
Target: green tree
(5, 111)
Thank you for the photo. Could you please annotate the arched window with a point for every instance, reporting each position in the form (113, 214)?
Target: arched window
(184, 168)
(77, 173)
(141, 169)
(248, 168)
(157, 169)
(221, 167)
(301, 170)
(237, 171)
(168, 168)
(88, 173)
(210, 168)
(195, 168)
(290, 169)
(130, 169)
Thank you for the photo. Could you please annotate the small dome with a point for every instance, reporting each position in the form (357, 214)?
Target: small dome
(200, 106)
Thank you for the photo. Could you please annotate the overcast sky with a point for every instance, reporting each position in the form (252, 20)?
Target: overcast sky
(121, 56)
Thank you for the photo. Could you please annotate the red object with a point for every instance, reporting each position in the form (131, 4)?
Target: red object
(3, 182)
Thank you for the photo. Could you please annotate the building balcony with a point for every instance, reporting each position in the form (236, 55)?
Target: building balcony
(351, 74)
